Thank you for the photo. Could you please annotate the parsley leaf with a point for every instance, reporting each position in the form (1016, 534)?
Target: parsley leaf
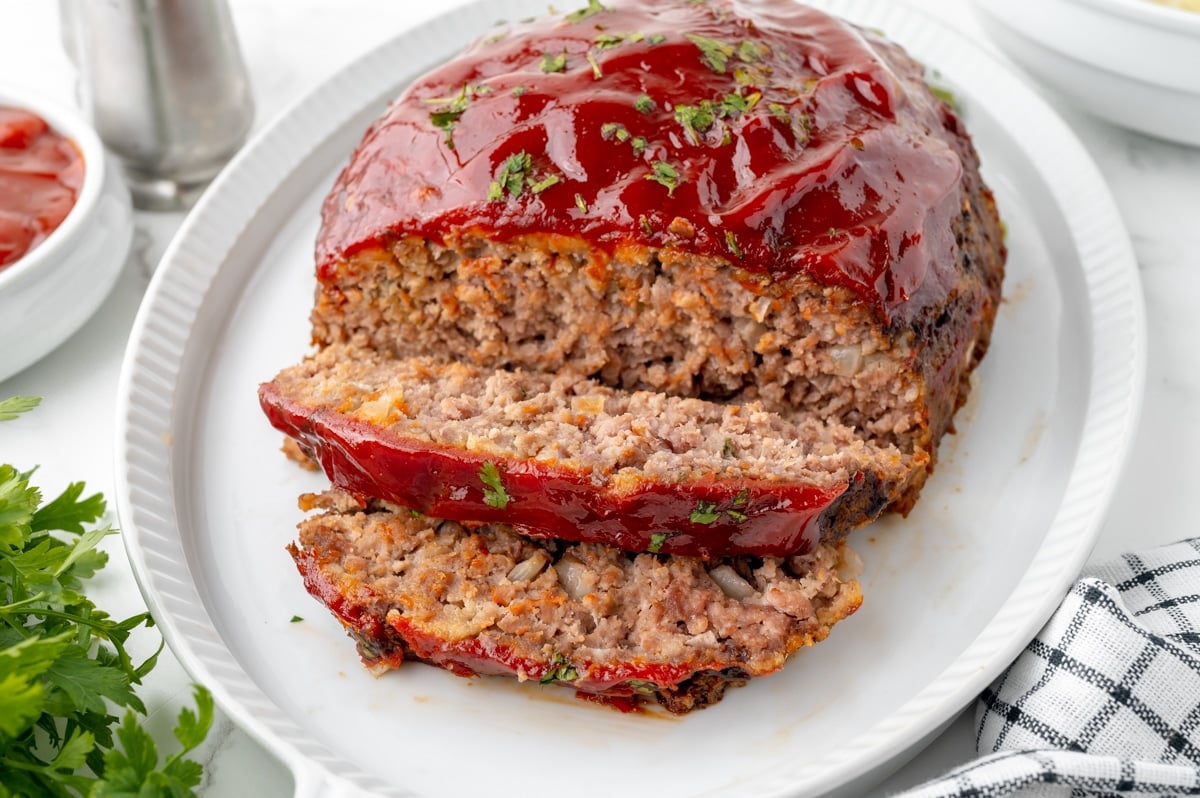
(561, 670)
(715, 54)
(543, 184)
(657, 539)
(554, 63)
(696, 119)
(946, 96)
(14, 406)
(494, 494)
(734, 104)
(704, 513)
(450, 110)
(510, 177)
(732, 244)
(64, 665)
(597, 73)
(644, 103)
(593, 7)
(665, 174)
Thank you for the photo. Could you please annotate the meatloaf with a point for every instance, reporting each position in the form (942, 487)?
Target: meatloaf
(567, 457)
(739, 202)
(623, 627)
(687, 286)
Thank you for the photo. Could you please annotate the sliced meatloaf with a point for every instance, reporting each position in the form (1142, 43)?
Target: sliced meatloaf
(623, 318)
(735, 201)
(567, 457)
(625, 627)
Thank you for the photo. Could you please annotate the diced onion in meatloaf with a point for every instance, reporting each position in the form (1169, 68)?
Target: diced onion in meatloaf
(628, 627)
(566, 457)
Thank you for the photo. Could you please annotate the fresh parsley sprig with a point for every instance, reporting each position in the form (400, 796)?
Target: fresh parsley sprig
(64, 663)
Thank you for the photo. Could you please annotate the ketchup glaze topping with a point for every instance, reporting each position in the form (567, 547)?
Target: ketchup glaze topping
(764, 133)
(41, 174)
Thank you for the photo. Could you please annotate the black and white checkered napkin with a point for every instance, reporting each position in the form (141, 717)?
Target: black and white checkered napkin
(1106, 700)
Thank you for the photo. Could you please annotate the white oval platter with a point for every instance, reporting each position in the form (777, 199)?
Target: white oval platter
(953, 592)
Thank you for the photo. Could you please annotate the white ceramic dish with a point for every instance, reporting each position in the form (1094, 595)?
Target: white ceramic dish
(953, 592)
(1132, 62)
(50, 292)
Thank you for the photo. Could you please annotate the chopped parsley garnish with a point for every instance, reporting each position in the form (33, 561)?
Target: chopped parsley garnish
(447, 116)
(715, 54)
(750, 52)
(639, 145)
(494, 494)
(517, 91)
(296, 619)
(945, 95)
(644, 104)
(657, 539)
(711, 512)
(554, 63)
(614, 130)
(696, 119)
(665, 175)
(734, 104)
(593, 7)
(744, 77)
(705, 513)
(731, 242)
(605, 40)
(65, 664)
(728, 449)
(642, 686)
(657, 38)
(561, 670)
(545, 183)
(646, 228)
(510, 178)
(581, 203)
(780, 113)
(597, 73)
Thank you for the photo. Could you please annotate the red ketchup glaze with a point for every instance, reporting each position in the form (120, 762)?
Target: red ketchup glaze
(41, 173)
(706, 519)
(472, 656)
(789, 140)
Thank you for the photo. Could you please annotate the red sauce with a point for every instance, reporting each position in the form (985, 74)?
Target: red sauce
(41, 173)
(475, 656)
(787, 140)
(700, 518)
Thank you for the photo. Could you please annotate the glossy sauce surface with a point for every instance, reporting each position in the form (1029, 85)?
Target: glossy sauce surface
(767, 134)
(41, 173)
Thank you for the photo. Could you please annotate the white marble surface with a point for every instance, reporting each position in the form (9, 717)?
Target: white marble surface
(292, 47)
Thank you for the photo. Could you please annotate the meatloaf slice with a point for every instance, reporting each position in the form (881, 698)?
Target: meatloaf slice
(622, 626)
(567, 457)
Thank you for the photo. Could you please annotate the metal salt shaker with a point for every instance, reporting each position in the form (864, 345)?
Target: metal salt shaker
(166, 89)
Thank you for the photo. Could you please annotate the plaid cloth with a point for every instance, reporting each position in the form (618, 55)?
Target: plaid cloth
(1106, 700)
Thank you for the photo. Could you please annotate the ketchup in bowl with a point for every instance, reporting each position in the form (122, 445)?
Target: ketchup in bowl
(41, 173)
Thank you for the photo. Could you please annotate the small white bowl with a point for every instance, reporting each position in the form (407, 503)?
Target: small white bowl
(1135, 63)
(49, 293)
